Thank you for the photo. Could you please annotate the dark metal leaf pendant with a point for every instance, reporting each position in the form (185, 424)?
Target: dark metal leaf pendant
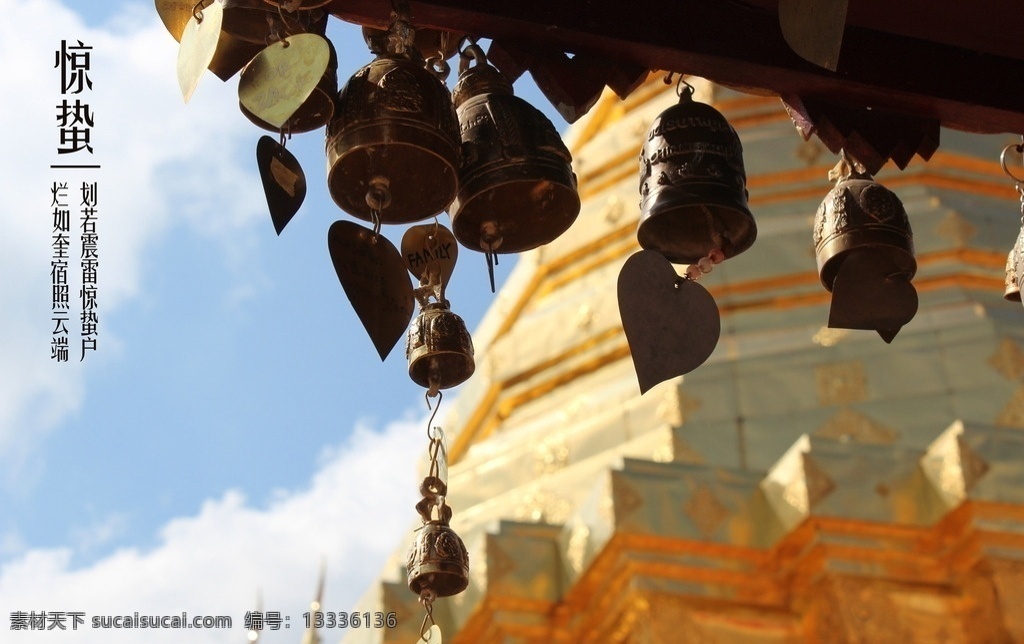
(373, 274)
(672, 324)
(284, 183)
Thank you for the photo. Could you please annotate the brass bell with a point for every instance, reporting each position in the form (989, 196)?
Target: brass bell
(316, 111)
(394, 125)
(438, 562)
(517, 189)
(439, 348)
(693, 194)
(1012, 291)
(865, 253)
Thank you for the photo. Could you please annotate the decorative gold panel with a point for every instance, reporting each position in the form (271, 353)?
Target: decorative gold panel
(841, 383)
(1008, 360)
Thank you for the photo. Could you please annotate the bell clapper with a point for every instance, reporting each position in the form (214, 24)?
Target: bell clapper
(378, 197)
(490, 241)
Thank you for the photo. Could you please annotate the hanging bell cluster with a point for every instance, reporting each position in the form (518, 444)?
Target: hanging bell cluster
(395, 126)
(693, 186)
(865, 253)
(517, 190)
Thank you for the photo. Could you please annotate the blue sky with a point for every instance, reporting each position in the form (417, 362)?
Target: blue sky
(235, 423)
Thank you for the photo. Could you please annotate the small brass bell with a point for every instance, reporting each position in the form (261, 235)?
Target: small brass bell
(439, 348)
(438, 562)
(865, 253)
(316, 111)
(394, 125)
(517, 190)
(693, 194)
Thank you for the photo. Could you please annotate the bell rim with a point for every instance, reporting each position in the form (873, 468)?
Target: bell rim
(362, 137)
(728, 201)
(502, 175)
(831, 251)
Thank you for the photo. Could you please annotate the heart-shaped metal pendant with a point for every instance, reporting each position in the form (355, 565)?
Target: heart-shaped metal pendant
(281, 77)
(198, 45)
(871, 292)
(284, 183)
(672, 324)
(373, 275)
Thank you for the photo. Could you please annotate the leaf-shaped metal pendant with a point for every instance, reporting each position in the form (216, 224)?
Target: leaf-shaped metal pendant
(282, 76)
(430, 249)
(198, 45)
(672, 324)
(373, 275)
(284, 183)
(813, 29)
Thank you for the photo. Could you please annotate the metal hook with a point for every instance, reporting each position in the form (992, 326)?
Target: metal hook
(1019, 148)
(689, 88)
(428, 603)
(197, 11)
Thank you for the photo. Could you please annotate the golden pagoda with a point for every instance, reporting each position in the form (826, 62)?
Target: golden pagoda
(805, 484)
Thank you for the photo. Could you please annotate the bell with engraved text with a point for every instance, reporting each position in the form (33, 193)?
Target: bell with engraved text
(394, 125)
(693, 186)
(517, 190)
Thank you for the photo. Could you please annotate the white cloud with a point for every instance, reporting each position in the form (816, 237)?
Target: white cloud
(164, 164)
(356, 511)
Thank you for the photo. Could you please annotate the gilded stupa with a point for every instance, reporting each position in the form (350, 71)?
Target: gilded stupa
(805, 484)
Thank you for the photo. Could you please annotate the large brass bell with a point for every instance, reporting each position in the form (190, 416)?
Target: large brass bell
(439, 348)
(438, 562)
(316, 111)
(394, 126)
(517, 189)
(693, 194)
(865, 253)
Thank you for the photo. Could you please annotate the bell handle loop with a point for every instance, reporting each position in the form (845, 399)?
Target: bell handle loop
(472, 52)
(680, 84)
(846, 167)
(438, 66)
(284, 21)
